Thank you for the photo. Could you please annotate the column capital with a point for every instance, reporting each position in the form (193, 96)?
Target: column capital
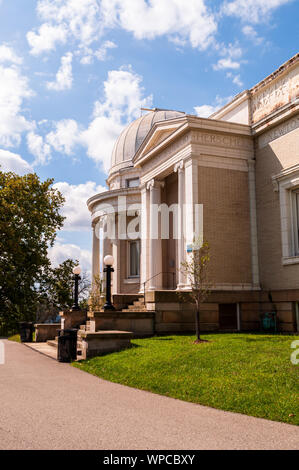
(154, 184)
(178, 167)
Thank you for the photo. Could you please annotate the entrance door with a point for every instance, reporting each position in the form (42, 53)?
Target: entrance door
(228, 317)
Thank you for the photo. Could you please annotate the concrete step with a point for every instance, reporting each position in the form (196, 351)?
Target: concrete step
(53, 343)
(134, 309)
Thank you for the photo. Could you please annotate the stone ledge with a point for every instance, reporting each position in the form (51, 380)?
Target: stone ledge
(104, 334)
(120, 314)
(45, 331)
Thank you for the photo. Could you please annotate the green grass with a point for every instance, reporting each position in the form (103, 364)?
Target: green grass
(15, 338)
(245, 373)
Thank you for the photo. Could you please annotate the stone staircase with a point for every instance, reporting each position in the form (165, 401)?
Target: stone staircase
(109, 337)
(136, 306)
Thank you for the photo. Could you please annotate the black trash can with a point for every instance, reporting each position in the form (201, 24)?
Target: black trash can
(67, 345)
(26, 331)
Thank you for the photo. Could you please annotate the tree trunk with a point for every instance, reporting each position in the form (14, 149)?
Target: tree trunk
(197, 325)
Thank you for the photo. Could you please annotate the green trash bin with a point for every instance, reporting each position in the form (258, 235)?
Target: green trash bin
(269, 321)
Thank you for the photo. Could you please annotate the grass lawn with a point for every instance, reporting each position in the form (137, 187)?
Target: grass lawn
(245, 373)
(18, 339)
(15, 338)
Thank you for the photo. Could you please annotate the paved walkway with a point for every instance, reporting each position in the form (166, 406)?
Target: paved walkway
(48, 405)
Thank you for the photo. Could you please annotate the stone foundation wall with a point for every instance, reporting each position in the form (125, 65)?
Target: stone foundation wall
(174, 316)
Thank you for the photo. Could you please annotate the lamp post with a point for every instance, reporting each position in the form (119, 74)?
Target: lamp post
(108, 261)
(76, 272)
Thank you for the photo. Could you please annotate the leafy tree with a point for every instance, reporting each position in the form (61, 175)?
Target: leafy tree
(29, 219)
(195, 270)
(56, 290)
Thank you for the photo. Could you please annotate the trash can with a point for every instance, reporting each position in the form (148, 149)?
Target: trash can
(26, 331)
(67, 345)
(269, 321)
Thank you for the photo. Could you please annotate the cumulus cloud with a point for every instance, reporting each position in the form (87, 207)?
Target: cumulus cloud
(75, 209)
(65, 136)
(252, 11)
(61, 251)
(64, 77)
(190, 21)
(46, 38)
(10, 161)
(67, 20)
(38, 148)
(7, 54)
(206, 110)
(231, 57)
(85, 21)
(14, 88)
(123, 98)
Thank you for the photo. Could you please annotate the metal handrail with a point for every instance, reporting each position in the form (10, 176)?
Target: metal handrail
(158, 274)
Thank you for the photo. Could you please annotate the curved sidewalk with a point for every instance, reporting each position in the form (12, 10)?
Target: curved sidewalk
(48, 405)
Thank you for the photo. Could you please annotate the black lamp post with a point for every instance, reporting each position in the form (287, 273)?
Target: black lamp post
(108, 260)
(76, 272)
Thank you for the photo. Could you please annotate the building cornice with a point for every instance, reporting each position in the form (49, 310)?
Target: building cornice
(102, 197)
(188, 123)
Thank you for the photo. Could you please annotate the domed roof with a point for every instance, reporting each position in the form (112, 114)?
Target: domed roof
(134, 134)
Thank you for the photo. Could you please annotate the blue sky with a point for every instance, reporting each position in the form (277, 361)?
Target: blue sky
(74, 72)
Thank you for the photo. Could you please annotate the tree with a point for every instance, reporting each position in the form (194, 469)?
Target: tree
(29, 219)
(195, 270)
(56, 290)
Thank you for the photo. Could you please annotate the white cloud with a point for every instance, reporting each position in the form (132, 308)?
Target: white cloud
(231, 57)
(236, 79)
(61, 251)
(64, 77)
(101, 53)
(38, 148)
(206, 110)
(251, 34)
(14, 89)
(123, 98)
(65, 20)
(85, 21)
(178, 19)
(226, 64)
(65, 136)
(252, 11)
(75, 209)
(46, 38)
(7, 54)
(13, 162)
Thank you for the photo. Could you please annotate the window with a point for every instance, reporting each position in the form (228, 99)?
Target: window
(132, 183)
(134, 258)
(295, 224)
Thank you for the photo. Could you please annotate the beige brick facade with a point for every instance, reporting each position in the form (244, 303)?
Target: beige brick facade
(241, 166)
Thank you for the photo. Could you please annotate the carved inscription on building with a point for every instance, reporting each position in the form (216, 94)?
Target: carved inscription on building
(279, 131)
(275, 95)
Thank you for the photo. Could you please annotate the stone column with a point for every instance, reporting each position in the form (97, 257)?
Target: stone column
(179, 169)
(144, 238)
(116, 266)
(193, 211)
(253, 224)
(95, 251)
(155, 251)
